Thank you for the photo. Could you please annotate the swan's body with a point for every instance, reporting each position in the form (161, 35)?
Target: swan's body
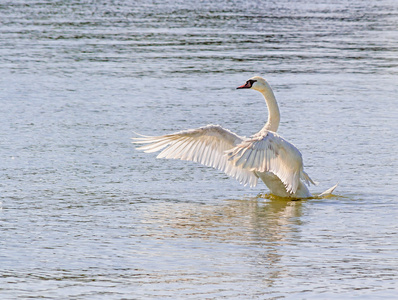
(265, 155)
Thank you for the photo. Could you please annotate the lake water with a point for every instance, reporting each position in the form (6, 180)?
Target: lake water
(86, 216)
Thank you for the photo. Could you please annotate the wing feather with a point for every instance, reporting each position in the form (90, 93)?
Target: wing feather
(188, 154)
(269, 152)
(238, 157)
(206, 145)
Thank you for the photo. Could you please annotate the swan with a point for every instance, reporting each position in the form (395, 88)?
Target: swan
(265, 155)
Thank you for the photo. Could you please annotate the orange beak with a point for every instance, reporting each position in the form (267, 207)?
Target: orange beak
(247, 85)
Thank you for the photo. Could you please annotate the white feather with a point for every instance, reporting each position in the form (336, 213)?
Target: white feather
(265, 155)
(206, 145)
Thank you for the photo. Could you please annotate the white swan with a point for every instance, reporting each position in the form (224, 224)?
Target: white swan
(265, 155)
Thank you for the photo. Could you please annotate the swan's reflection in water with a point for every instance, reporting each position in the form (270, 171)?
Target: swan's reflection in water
(260, 229)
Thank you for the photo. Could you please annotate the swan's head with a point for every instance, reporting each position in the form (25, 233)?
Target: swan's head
(256, 83)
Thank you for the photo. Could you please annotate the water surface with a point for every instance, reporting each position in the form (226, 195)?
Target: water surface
(86, 216)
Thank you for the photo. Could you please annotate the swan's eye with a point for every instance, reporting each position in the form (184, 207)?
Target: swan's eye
(250, 82)
(247, 85)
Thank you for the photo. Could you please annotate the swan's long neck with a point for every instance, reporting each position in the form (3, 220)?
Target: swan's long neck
(273, 109)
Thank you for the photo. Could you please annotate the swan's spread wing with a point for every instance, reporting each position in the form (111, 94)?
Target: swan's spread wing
(269, 152)
(206, 145)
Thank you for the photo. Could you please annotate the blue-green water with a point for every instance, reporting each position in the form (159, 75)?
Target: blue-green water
(86, 216)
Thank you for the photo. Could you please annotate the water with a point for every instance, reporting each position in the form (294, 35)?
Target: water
(85, 216)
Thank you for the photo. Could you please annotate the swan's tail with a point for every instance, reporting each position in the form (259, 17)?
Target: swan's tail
(328, 191)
